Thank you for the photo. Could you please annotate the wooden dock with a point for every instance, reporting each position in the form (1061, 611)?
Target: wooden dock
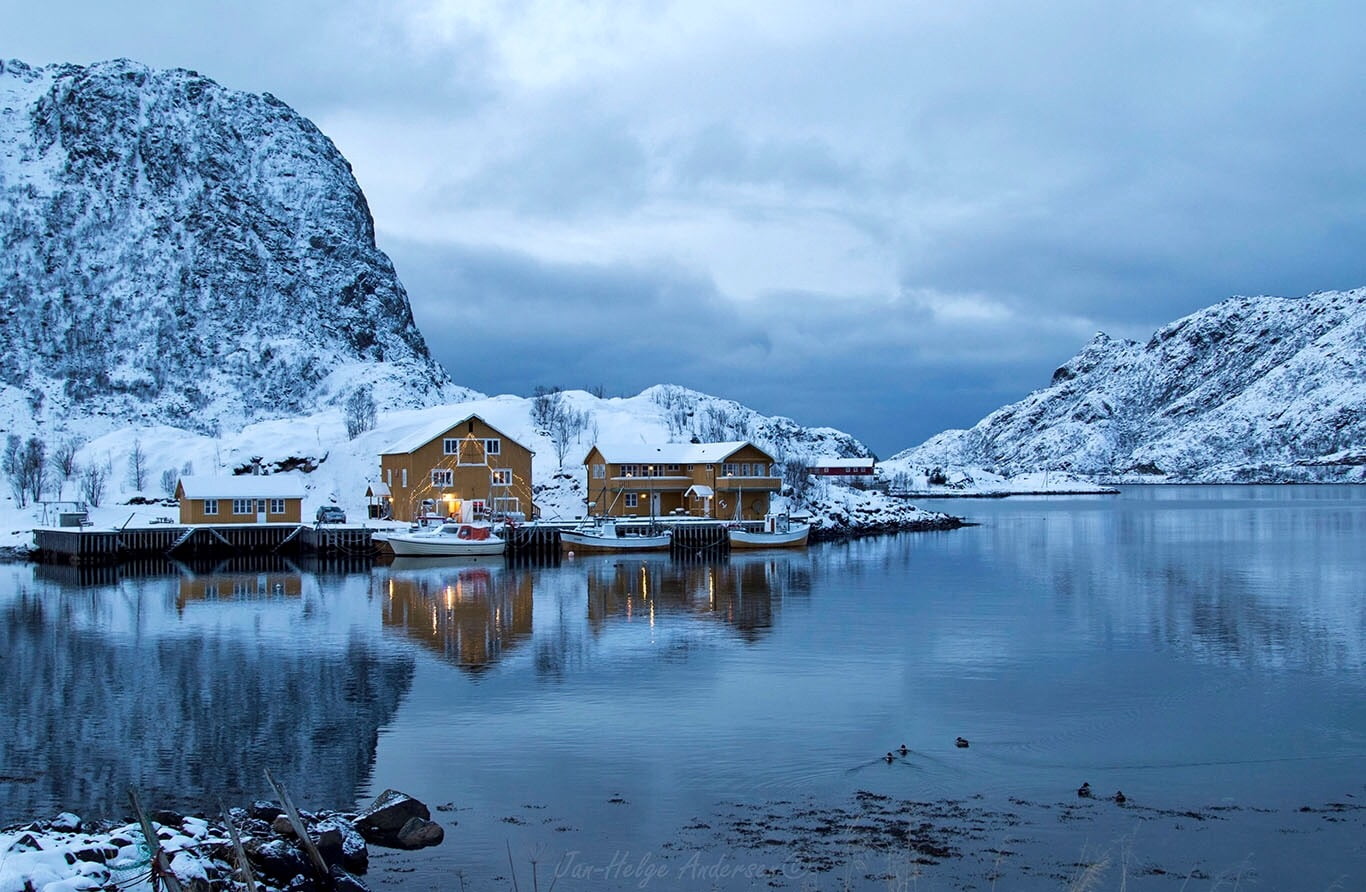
(534, 542)
(86, 545)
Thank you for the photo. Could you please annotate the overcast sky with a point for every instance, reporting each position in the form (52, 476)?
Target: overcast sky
(889, 217)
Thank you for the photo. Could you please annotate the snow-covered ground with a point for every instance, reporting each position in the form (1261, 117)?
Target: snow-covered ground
(907, 478)
(342, 468)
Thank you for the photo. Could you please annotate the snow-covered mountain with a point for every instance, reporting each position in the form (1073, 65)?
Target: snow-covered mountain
(1262, 389)
(177, 252)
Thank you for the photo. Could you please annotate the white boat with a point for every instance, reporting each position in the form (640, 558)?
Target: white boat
(779, 531)
(602, 535)
(447, 540)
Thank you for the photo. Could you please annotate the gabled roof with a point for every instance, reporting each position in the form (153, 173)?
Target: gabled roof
(671, 453)
(421, 437)
(242, 486)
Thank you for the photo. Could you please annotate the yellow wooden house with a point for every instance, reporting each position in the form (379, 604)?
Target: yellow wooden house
(732, 480)
(465, 469)
(247, 498)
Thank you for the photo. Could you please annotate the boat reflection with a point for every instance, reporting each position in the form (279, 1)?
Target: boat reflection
(740, 591)
(469, 611)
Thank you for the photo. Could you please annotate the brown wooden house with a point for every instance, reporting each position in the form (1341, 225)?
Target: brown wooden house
(463, 469)
(247, 498)
(725, 480)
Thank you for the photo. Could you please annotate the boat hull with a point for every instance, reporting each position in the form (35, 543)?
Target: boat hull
(443, 546)
(743, 539)
(593, 544)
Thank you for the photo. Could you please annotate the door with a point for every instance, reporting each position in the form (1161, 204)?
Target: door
(654, 503)
(260, 510)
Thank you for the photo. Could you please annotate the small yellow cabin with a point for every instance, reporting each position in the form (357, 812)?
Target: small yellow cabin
(730, 481)
(469, 467)
(247, 498)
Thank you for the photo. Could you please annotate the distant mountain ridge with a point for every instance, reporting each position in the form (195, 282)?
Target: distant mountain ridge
(1255, 389)
(176, 252)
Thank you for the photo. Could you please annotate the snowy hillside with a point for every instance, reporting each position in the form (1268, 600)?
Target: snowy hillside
(180, 253)
(1254, 389)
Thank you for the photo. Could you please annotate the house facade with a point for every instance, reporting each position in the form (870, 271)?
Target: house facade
(732, 480)
(457, 470)
(247, 498)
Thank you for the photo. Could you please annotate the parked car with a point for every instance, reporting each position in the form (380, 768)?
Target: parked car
(331, 514)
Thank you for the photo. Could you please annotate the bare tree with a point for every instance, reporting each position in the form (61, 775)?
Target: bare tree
(169, 479)
(565, 427)
(24, 465)
(93, 478)
(137, 467)
(64, 457)
(546, 402)
(360, 412)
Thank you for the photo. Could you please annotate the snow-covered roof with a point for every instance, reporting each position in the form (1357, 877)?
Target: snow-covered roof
(670, 453)
(242, 486)
(843, 463)
(426, 434)
(375, 490)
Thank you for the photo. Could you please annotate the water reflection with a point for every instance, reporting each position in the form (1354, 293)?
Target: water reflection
(739, 591)
(469, 612)
(186, 687)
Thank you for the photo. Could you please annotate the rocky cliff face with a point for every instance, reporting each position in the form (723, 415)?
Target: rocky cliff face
(181, 253)
(1253, 389)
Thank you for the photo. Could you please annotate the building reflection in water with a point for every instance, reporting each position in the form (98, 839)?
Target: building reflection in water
(740, 590)
(468, 611)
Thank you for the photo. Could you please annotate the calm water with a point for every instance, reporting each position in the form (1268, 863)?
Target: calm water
(629, 723)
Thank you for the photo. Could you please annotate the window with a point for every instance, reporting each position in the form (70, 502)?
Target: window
(389, 477)
(277, 506)
(728, 469)
(599, 471)
(632, 500)
(242, 506)
(210, 506)
(443, 477)
(450, 446)
(404, 485)
(493, 447)
(673, 470)
(502, 477)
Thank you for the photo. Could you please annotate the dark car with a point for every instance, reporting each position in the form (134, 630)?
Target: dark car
(331, 514)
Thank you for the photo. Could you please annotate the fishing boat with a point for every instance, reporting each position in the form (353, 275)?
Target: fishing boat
(448, 540)
(602, 535)
(779, 531)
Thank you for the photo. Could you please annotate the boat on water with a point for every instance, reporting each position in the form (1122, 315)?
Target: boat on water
(602, 535)
(452, 539)
(780, 531)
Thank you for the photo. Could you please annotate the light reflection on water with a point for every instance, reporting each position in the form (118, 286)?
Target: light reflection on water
(1191, 645)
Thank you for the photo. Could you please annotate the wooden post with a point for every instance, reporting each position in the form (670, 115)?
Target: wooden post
(161, 865)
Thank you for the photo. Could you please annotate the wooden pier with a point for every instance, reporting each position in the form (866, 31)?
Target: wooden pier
(532, 542)
(84, 545)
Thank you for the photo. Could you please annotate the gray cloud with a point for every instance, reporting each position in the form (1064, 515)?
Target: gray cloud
(885, 217)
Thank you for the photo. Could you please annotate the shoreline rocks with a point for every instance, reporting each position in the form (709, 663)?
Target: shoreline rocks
(104, 855)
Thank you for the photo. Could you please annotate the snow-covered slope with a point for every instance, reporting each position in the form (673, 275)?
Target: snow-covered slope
(1261, 389)
(181, 253)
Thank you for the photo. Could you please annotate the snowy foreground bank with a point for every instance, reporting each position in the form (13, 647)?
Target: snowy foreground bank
(66, 855)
